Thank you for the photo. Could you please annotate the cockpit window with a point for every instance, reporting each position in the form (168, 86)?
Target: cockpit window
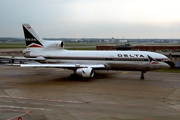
(159, 60)
(165, 59)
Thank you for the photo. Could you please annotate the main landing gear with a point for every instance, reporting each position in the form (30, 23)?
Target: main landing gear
(73, 75)
(142, 74)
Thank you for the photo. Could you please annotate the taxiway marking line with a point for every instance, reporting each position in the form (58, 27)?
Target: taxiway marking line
(11, 110)
(53, 100)
(19, 115)
(29, 108)
(125, 72)
(60, 70)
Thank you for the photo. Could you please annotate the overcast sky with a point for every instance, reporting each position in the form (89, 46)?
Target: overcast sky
(92, 18)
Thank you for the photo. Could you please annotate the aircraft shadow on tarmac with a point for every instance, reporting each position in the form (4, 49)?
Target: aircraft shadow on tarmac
(98, 76)
(65, 77)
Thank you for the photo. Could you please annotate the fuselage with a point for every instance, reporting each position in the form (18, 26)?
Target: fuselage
(114, 60)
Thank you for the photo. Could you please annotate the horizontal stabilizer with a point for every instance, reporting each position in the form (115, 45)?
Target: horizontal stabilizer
(21, 58)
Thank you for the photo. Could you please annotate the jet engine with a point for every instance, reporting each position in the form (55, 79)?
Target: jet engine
(55, 44)
(85, 72)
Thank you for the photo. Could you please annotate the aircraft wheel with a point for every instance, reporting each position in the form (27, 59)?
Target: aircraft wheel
(142, 77)
(142, 74)
(73, 76)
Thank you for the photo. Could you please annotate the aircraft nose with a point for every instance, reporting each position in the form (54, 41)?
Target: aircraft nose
(167, 65)
(164, 66)
(170, 63)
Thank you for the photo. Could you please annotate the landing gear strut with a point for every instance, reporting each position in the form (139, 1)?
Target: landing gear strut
(142, 74)
(73, 75)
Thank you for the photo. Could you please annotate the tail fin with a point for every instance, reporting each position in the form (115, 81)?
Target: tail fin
(31, 38)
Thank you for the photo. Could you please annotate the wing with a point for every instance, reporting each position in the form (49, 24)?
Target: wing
(5, 57)
(36, 64)
(68, 66)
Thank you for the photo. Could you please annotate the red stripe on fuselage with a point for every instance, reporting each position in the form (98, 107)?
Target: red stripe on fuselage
(39, 46)
(154, 62)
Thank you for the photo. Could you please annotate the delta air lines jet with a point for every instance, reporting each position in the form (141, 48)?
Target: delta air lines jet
(84, 63)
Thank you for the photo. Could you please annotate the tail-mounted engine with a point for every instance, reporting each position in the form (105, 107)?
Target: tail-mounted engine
(55, 44)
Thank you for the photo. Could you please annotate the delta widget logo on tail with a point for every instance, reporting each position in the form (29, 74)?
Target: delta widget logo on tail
(32, 42)
(35, 45)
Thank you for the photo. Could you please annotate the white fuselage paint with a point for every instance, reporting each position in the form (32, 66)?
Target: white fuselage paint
(114, 60)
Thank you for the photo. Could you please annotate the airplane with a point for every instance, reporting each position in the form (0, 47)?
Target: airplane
(51, 54)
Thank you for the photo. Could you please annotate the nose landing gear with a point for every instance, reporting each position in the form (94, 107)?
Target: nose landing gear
(142, 74)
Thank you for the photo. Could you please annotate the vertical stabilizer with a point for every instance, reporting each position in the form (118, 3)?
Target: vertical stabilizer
(31, 38)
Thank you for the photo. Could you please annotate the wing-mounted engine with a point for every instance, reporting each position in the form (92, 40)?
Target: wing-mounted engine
(54, 44)
(85, 72)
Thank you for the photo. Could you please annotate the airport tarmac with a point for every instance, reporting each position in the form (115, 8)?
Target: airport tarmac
(50, 94)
